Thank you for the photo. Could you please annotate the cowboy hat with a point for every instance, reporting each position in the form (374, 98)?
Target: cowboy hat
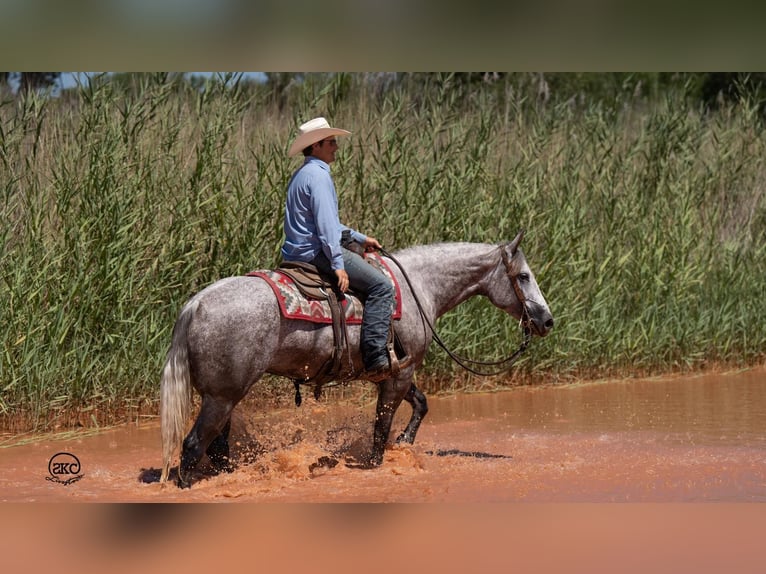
(313, 131)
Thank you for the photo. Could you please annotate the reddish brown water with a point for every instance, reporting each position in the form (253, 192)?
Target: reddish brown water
(679, 439)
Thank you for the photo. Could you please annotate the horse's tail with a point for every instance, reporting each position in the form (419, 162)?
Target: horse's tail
(175, 390)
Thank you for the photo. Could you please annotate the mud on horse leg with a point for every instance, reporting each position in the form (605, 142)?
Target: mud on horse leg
(419, 410)
(390, 395)
(210, 423)
(218, 451)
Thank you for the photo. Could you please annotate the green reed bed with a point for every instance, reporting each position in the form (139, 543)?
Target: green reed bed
(645, 225)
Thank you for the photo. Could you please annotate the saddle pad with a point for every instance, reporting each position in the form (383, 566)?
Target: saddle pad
(294, 305)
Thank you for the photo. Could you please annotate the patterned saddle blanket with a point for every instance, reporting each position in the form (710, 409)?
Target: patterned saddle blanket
(294, 305)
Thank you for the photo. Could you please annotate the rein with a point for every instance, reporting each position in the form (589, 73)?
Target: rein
(463, 361)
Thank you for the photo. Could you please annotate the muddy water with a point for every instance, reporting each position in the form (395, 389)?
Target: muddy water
(680, 439)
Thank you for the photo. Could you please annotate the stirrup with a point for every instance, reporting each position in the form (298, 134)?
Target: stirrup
(397, 364)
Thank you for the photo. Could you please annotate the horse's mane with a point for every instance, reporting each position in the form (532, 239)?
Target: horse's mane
(413, 251)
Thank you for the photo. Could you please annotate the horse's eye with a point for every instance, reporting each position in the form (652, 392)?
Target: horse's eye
(523, 277)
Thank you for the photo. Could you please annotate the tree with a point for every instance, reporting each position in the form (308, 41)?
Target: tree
(37, 80)
(279, 84)
(725, 87)
(27, 81)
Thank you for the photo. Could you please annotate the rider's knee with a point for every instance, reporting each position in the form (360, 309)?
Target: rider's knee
(386, 290)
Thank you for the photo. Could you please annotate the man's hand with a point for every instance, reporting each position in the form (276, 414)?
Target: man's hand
(342, 279)
(371, 244)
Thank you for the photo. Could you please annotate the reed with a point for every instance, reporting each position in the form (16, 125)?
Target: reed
(646, 224)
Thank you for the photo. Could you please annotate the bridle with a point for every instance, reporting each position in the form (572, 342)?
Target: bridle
(524, 323)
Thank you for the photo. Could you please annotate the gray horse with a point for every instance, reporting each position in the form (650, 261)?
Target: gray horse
(232, 332)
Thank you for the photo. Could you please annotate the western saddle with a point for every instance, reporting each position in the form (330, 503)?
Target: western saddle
(339, 367)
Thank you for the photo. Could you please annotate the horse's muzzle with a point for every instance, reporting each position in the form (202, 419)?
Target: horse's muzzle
(540, 319)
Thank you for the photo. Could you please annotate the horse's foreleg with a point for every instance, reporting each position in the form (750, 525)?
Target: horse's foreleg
(419, 410)
(390, 395)
(218, 451)
(213, 416)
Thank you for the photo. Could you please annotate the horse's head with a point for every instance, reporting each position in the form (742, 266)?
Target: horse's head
(514, 289)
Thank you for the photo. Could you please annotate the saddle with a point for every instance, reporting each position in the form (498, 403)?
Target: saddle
(314, 286)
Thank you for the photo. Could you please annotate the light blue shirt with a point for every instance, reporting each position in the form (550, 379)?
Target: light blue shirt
(311, 216)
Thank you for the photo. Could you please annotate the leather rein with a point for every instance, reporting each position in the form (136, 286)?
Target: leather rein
(464, 362)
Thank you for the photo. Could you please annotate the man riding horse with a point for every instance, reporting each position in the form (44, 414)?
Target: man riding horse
(313, 234)
(231, 333)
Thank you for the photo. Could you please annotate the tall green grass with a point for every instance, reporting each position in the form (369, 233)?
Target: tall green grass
(646, 224)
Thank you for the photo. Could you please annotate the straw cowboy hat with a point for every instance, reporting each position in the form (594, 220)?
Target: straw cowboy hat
(313, 131)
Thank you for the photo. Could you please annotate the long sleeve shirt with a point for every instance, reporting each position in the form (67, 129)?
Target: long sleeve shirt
(311, 216)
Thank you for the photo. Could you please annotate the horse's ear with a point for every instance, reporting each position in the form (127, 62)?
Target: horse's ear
(514, 245)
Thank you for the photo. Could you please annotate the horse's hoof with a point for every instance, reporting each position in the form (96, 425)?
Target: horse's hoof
(181, 483)
(323, 462)
(365, 464)
(221, 466)
(405, 439)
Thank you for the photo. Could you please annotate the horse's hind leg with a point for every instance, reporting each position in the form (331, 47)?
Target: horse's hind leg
(210, 423)
(419, 410)
(218, 451)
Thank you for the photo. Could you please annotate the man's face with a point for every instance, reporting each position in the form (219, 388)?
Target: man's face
(325, 149)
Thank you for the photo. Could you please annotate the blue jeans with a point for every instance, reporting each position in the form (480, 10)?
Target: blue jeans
(377, 293)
